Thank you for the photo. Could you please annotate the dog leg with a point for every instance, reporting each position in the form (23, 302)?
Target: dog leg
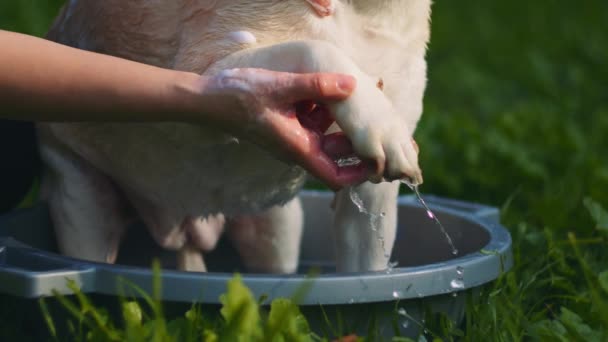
(202, 235)
(190, 259)
(364, 240)
(377, 132)
(89, 214)
(270, 242)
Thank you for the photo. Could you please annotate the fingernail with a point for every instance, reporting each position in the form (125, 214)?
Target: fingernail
(346, 84)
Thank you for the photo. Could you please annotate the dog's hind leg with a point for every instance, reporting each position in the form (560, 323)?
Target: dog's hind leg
(89, 214)
(365, 226)
(269, 242)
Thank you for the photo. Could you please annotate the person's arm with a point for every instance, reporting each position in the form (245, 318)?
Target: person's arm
(44, 81)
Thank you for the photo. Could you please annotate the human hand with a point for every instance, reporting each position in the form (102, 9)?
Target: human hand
(286, 114)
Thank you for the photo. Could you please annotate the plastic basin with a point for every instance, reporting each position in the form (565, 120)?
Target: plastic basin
(428, 278)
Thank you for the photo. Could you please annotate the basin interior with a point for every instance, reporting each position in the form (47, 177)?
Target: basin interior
(419, 240)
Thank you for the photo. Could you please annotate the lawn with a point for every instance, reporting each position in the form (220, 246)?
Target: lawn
(516, 116)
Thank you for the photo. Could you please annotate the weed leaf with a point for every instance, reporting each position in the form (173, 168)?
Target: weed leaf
(286, 323)
(603, 279)
(598, 213)
(132, 313)
(241, 312)
(575, 324)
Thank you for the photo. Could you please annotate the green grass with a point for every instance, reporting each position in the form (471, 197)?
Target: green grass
(516, 115)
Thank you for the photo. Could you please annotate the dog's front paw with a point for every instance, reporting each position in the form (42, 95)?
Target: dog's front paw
(379, 134)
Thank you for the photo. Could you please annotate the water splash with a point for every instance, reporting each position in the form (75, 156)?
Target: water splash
(431, 215)
(374, 219)
(457, 284)
(403, 313)
(348, 161)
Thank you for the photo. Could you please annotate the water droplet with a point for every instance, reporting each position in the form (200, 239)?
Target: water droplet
(397, 294)
(351, 301)
(457, 284)
(430, 214)
(419, 295)
(460, 271)
(455, 251)
(354, 197)
(391, 266)
(454, 294)
(405, 324)
(383, 214)
(402, 312)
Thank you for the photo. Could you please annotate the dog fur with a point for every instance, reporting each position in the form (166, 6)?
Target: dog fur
(189, 183)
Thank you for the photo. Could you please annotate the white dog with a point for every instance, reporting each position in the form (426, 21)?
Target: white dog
(190, 183)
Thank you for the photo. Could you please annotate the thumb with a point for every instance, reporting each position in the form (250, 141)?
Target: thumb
(317, 87)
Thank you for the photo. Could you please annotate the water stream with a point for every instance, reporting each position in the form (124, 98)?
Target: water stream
(432, 216)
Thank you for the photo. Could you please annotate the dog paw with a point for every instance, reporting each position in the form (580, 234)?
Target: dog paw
(379, 134)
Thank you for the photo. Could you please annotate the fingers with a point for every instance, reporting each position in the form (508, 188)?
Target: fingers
(337, 145)
(326, 170)
(321, 162)
(314, 117)
(318, 87)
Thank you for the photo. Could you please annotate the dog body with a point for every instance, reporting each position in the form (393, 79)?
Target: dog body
(189, 183)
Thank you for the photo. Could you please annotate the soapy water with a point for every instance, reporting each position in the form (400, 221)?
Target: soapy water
(242, 37)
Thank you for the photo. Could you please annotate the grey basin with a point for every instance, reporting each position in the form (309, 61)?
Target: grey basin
(428, 276)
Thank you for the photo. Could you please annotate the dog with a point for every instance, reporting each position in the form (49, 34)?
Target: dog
(190, 184)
